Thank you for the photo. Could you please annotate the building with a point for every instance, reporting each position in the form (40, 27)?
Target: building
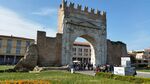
(147, 53)
(81, 52)
(142, 56)
(12, 48)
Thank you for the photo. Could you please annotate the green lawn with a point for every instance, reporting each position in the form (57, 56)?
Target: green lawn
(4, 67)
(58, 77)
(145, 70)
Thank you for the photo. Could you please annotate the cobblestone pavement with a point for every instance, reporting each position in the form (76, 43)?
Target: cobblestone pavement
(139, 74)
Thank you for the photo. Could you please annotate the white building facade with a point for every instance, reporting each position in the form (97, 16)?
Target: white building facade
(81, 52)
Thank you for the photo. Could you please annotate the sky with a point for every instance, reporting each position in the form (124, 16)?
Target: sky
(127, 20)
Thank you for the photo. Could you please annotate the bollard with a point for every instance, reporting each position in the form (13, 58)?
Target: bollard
(72, 70)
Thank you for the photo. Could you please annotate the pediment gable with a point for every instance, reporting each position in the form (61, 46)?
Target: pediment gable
(86, 23)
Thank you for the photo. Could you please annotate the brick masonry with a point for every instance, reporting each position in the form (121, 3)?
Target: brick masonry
(75, 22)
(50, 50)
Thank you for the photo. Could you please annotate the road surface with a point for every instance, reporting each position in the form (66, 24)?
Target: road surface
(139, 74)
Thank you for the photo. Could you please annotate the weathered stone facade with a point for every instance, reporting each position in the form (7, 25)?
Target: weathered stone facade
(115, 50)
(49, 49)
(73, 23)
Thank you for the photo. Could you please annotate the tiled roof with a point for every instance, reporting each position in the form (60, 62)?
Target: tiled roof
(4, 36)
(81, 44)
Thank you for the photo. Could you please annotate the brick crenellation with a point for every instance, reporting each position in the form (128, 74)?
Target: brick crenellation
(78, 9)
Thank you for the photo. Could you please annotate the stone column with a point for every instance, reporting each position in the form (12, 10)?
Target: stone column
(93, 54)
(66, 47)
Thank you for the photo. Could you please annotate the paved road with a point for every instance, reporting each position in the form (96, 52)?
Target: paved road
(86, 72)
(143, 74)
(139, 74)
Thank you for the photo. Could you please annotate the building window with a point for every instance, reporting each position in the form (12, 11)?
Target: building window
(80, 50)
(18, 47)
(85, 50)
(80, 54)
(27, 43)
(9, 46)
(85, 54)
(0, 43)
(89, 54)
(74, 49)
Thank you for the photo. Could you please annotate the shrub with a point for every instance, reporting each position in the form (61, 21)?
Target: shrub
(123, 78)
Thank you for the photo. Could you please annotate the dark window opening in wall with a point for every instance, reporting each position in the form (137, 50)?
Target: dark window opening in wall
(9, 46)
(80, 54)
(80, 50)
(85, 54)
(74, 49)
(85, 50)
(27, 43)
(139, 61)
(73, 58)
(0, 43)
(18, 47)
(145, 61)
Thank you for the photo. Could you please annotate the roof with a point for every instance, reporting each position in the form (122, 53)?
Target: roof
(81, 44)
(4, 36)
(148, 49)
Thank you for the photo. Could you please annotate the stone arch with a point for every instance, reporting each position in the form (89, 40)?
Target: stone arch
(94, 36)
(74, 22)
(91, 41)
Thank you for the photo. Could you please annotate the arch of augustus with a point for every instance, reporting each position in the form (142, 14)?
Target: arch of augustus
(78, 22)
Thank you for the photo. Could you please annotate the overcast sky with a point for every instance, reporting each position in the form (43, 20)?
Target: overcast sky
(127, 20)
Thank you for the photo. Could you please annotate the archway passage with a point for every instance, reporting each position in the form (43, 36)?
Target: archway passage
(81, 51)
(96, 40)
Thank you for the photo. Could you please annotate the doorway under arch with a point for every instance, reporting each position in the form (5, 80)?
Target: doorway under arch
(82, 51)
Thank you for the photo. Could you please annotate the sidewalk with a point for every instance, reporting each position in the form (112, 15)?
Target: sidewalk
(143, 72)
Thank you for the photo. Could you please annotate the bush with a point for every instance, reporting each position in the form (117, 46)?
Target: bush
(123, 78)
(105, 75)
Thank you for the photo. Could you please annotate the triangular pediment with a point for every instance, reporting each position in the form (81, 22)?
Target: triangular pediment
(88, 24)
(82, 22)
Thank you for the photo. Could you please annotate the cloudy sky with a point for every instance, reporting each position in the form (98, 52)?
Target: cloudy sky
(127, 20)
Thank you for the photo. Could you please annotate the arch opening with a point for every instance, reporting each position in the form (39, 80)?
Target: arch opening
(83, 51)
